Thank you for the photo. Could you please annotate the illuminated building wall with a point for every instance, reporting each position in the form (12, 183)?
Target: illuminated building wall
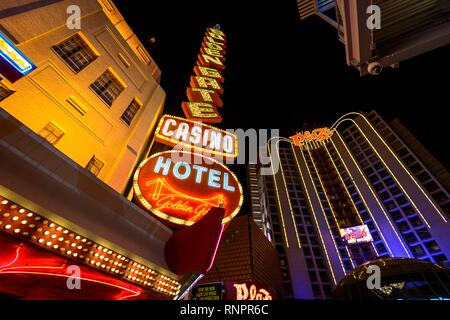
(95, 92)
(245, 254)
(259, 211)
(363, 175)
(72, 131)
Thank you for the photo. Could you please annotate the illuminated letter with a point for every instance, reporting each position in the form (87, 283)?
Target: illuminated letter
(216, 36)
(200, 171)
(176, 170)
(198, 111)
(212, 45)
(206, 83)
(211, 52)
(210, 39)
(214, 177)
(160, 164)
(215, 139)
(165, 129)
(182, 131)
(228, 144)
(205, 60)
(216, 31)
(241, 291)
(196, 134)
(225, 183)
(204, 95)
(73, 281)
(208, 72)
(374, 281)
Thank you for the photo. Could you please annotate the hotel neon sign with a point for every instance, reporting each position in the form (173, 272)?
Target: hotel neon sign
(182, 191)
(320, 134)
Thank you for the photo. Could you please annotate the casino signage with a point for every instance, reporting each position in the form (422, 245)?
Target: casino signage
(182, 191)
(206, 85)
(320, 134)
(358, 234)
(186, 134)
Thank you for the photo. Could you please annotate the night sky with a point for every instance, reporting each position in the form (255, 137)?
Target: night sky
(289, 74)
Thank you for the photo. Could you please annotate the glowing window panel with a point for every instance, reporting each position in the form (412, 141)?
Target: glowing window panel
(12, 55)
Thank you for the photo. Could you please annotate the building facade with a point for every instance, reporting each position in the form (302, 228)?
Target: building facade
(257, 199)
(72, 131)
(245, 255)
(95, 93)
(365, 180)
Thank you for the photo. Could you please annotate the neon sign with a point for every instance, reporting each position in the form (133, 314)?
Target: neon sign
(175, 131)
(243, 292)
(320, 134)
(13, 63)
(206, 85)
(182, 191)
(359, 234)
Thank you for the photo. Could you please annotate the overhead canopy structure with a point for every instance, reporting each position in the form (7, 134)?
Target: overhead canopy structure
(408, 28)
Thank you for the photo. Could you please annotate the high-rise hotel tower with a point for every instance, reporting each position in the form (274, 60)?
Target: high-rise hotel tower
(367, 190)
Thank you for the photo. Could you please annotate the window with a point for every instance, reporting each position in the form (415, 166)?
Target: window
(51, 133)
(432, 247)
(75, 52)
(131, 111)
(94, 165)
(4, 92)
(108, 87)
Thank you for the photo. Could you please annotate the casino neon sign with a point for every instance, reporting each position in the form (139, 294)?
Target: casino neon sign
(190, 135)
(320, 134)
(181, 191)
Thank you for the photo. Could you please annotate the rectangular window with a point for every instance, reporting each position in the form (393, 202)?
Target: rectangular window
(51, 133)
(108, 87)
(4, 92)
(131, 111)
(95, 165)
(75, 52)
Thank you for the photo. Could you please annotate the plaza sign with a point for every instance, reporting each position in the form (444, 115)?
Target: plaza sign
(181, 187)
(320, 134)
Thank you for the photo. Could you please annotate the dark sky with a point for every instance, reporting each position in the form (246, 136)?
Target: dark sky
(282, 72)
